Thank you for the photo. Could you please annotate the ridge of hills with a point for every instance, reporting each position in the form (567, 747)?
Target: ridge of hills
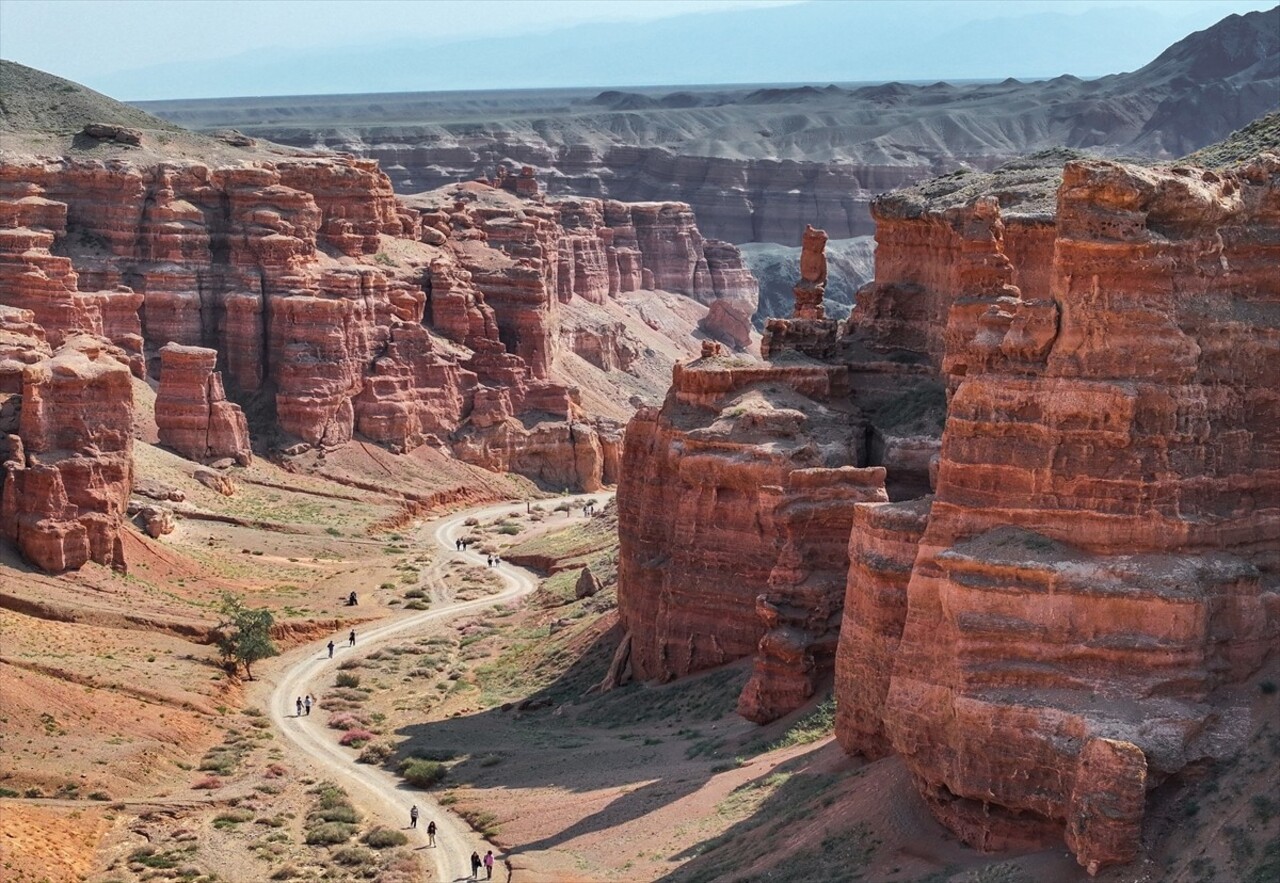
(753, 162)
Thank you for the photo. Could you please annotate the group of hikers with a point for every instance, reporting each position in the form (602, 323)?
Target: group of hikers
(476, 861)
(351, 642)
(305, 703)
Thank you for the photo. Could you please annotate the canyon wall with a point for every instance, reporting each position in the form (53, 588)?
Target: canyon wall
(300, 290)
(1044, 638)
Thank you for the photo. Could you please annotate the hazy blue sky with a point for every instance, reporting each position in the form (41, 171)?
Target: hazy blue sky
(136, 49)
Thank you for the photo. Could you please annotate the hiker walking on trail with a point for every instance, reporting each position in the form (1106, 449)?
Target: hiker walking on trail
(331, 649)
(413, 816)
(351, 639)
(306, 703)
(431, 833)
(488, 865)
(299, 706)
(475, 866)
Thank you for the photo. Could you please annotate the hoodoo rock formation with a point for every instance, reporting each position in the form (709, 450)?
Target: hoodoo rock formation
(301, 288)
(1043, 637)
(736, 505)
(69, 471)
(192, 411)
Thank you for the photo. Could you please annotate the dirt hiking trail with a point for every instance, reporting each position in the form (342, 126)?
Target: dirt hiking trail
(381, 793)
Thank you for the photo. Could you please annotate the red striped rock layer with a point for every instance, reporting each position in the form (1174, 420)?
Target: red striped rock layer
(192, 412)
(1100, 554)
(722, 485)
(69, 474)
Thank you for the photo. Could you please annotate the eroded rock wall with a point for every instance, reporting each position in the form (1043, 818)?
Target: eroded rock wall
(69, 474)
(1100, 554)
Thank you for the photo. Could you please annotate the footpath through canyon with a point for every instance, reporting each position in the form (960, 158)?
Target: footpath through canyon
(378, 789)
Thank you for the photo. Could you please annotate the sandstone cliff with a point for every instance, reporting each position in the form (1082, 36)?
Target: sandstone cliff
(301, 288)
(1049, 635)
(1100, 554)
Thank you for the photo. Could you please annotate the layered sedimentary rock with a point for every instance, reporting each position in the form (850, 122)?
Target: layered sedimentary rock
(1097, 558)
(801, 609)
(192, 412)
(703, 509)
(738, 501)
(67, 487)
(756, 164)
(882, 551)
(281, 270)
(1107, 504)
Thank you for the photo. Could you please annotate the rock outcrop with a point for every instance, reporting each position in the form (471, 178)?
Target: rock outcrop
(67, 481)
(192, 411)
(1106, 490)
(1044, 638)
(736, 507)
(335, 309)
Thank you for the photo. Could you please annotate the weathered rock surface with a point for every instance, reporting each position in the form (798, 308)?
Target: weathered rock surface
(334, 309)
(1094, 563)
(192, 411)
(738, 500)
(67, 485)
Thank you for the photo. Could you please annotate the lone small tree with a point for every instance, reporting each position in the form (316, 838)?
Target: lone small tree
(244, 633)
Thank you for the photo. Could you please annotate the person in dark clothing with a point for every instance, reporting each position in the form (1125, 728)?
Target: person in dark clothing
(413, 816)
(306, 703)
(351, 639)
(299, 706)
(475, 865)
(331, 649)
(431, 833)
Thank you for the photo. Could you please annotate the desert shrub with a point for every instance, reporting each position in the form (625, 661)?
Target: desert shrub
(382, 837)
(287, 872)
(354, 856)
(345, 720)
(472, 522)
(415, 593)
(231, 818)
(329, 833)
(8, 792)
(348, 664)
(355, 738)
(274, 771)
(422, 773)
(346, 679)
(208, 783)
(509, 529)
(345, 813)
(418, 605)
(375, 752)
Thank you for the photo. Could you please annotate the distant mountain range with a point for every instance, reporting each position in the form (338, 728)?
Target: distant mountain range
(867, 41)
(758, 163)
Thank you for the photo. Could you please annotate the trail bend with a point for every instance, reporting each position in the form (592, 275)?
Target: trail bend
(382, 794)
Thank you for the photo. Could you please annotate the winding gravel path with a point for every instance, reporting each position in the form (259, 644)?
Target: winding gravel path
(378, 791)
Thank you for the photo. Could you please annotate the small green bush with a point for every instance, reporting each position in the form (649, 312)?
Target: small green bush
(422, 773)
(382, 838)
(346, 679)
(329, 833)
(346, 814)
(354, 856)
